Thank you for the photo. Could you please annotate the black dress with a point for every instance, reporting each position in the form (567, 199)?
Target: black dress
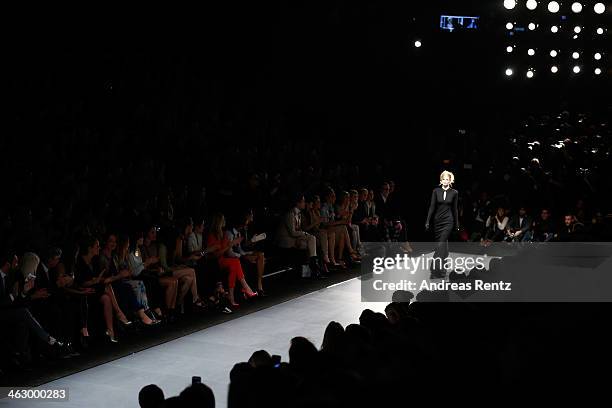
(443, 209)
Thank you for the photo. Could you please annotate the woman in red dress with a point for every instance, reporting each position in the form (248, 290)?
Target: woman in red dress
(232, 266)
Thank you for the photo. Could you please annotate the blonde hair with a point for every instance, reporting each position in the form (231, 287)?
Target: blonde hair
(216, 226)
(450, 175)
(29, 264)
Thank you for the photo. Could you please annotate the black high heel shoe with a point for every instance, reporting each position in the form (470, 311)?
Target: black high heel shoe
(83, 342)
(325, 269)
(153, 316)
(171, 316)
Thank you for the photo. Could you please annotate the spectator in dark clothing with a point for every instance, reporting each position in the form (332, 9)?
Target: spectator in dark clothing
(481, 209)
(151, 396)
(519, 226)
(197, 396)
(16, 319)
(302, 353)
(88, 276)
(571, 231)
(260, 358)
(382, 202)
(50, 305)
(543, 227)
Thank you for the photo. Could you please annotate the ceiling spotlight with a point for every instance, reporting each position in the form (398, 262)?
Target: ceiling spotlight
(576, 69)
(554, 29)
(532, 4)
(597, 71)
(577, 29)
(531, 26)
(509, 4)
(600, 31)
(509, 72)
(509, 48)
(553, 7)
(597, 56)
(599, 8)
(530, 74)
(554, 69)
(417, 44)
(576, 7)
(575, 37)
(553, 53)
(509, 26)
(531, 52)
(575, 55)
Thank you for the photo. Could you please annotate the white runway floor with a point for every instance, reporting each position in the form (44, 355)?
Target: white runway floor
(210, 353)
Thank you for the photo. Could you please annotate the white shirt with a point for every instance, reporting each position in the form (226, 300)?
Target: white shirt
(444, 195)
(45, 269)
(194, 242)
(500, 225)
(298, 219)
(236, 251)
(136, 264)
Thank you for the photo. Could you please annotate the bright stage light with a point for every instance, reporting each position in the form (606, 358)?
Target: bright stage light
(530, 74)
(531, 26)
(600, 31)
(509, 4)
(554, 69)
(576, 69)
(599, 8)
(417, 44)
(532, 4)
(597, 71)
(509, 26)
(553, 7)
(597, 56)
(531, 52)
(576, 7)
(554, 29)
(575, 55)
(553, 53)
(577, 29)
(509, 72)
(509, 48)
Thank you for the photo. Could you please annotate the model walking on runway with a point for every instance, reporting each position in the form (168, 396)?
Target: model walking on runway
(443, 209)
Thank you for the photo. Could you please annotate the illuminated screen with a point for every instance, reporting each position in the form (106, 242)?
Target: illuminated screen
(452, 23)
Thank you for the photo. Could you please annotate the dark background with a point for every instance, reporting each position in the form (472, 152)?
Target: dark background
(342, 76)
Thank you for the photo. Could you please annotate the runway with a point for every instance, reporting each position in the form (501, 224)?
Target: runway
(212, 352)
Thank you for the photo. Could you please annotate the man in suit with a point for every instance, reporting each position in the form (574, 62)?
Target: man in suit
(44, 273)
(291, 235)
(49, 305)
(16, 320)
(382, 201)
(364, 217)
(14, 334)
